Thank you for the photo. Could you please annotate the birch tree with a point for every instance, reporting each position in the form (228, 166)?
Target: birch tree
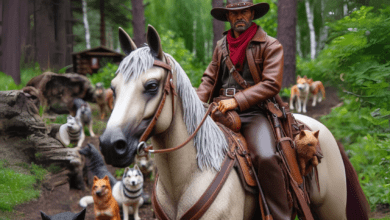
(310, 20)
(86, 25)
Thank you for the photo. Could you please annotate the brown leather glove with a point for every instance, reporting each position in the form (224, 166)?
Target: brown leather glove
(226, 105)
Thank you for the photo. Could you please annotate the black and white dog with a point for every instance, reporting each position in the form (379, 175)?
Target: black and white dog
(84, 113)
(129, 192)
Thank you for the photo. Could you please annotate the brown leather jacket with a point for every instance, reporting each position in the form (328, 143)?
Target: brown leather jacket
(268, 56)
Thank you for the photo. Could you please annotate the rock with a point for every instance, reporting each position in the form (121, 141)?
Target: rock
(59, 90)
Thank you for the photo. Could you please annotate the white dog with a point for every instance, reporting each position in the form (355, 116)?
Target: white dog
(84, 114)
(71, 132)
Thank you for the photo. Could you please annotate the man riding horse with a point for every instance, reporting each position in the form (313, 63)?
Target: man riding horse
(246, 70)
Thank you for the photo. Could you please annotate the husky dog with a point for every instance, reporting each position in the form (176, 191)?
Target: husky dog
(145, 164)
(84, 113)
(129, 191)
(71, 132)
(65, 216)
(300, 92)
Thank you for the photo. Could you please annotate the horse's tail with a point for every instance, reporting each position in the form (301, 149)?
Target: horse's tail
(357, 205)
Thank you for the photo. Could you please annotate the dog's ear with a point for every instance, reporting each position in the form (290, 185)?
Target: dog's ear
(80, 215)
(44, 216)
(298, 77)
(302, 134)
(305, 77)
(95, 178)
(126, 170)
(136, 167)
(106, 178)
(316, 133)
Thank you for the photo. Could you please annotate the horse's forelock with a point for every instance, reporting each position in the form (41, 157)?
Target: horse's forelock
(136, 63)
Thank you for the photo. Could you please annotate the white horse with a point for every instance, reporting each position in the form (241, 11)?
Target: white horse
(186, 173)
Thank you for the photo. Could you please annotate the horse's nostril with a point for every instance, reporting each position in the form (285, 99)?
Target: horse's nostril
(120, 146)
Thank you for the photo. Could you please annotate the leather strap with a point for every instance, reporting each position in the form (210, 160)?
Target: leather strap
(208, 197)
(209, 111)
(168, 87)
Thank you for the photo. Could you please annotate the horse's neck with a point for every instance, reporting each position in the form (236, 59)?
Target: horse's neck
(176, 169)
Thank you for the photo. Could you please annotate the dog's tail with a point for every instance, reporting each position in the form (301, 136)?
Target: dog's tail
(322, 88)
(85, 201)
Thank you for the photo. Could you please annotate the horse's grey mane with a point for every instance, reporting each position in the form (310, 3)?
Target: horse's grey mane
(210, 142)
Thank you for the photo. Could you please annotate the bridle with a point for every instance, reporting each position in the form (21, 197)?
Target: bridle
(168, 89)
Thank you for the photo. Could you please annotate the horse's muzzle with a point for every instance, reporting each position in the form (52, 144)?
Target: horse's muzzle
(115, 148)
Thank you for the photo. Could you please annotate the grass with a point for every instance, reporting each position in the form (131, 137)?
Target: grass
(17, 188)
(26, 73)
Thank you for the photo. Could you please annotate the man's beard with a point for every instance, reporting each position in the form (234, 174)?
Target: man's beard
(241, 29)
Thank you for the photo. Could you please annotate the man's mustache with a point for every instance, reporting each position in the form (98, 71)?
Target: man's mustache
(240, 21)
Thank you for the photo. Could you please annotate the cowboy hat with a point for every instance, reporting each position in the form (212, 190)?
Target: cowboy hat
(233, 5)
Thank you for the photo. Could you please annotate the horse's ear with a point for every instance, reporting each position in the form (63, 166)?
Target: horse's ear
(154, 42)
(127, 44)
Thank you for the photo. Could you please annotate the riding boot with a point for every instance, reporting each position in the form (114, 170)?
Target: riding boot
(261, 144)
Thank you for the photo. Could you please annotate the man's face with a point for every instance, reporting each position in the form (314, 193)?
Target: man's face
(240, 20)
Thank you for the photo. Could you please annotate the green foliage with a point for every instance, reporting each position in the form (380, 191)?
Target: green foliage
(269, 22)
(356, 60)
(54, 168)
(16, 188)
(26, 73)
(104, 75)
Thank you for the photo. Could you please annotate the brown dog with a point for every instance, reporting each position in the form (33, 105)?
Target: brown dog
(102, 98)
(105, 205)
(306, 142)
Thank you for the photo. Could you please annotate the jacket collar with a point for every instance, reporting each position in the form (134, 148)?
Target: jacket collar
(260, 35)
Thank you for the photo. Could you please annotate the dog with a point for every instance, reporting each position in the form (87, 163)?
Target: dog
(308, 155)
(317, 89)
(145, 164)
(110, 98)
(71, 132)
(101, 97)
(129, 191)
(105, 205)
(65, 216)
(300, 93)
(84, 114)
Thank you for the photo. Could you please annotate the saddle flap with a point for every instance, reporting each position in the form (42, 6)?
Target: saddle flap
(239, 149)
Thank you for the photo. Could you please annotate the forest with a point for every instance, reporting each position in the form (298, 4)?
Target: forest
(343, 43)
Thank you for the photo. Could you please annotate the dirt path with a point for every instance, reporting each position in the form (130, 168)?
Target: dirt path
(63, 199)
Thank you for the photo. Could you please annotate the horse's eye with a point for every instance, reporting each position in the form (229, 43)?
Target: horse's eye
(151, 86)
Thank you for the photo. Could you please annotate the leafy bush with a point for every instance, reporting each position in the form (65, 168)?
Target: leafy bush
(356, 60)
(104, 75)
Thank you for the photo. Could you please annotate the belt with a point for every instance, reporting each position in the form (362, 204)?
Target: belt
(229, 92)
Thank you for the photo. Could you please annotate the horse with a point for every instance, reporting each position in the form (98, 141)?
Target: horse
(184, 174)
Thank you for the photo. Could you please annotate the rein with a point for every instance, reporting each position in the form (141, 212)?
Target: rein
(168, 88)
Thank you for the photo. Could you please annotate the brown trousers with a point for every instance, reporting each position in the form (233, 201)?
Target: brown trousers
(261, 143)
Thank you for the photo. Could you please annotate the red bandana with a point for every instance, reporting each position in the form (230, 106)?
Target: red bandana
(238, 45)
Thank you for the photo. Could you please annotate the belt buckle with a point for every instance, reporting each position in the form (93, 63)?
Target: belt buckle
(230, 89)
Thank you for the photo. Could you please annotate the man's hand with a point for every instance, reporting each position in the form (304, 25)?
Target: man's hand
(226, 105)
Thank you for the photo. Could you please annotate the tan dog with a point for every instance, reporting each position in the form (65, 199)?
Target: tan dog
(300, 93)
(105, 205)
(100, 97)
(316, 88)
(306, 142)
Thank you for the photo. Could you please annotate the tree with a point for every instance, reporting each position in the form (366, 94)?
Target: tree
(14, 33)
(310, 21)
(102, 24)
(218, 26)
(138, 22)
(287, 17)
(86, 25)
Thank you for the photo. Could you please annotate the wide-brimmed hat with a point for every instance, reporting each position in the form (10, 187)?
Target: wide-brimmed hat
(233, 5)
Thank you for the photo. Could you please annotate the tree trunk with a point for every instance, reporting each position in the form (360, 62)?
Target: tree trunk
(86, 25)
(287, 19)
(310, 19)
(218, 26)
(14, 35)
(323, 30)
(102, 24)
(138, 22)
(299, 49)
